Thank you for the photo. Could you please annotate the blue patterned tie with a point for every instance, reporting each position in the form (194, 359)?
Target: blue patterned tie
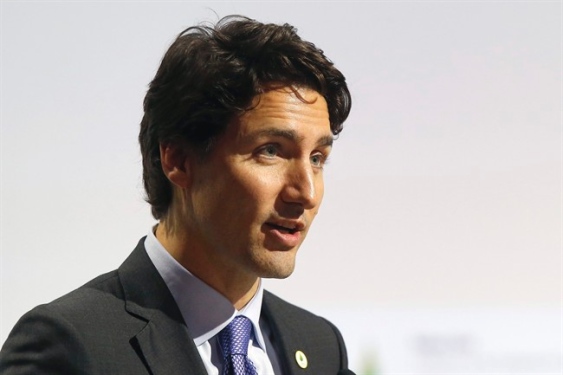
(234, 340)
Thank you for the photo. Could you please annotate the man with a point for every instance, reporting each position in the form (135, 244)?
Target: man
(238, 124)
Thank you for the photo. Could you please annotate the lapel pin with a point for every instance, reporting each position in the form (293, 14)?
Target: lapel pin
(301, 359)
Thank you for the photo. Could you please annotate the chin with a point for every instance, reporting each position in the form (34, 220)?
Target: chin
(277, 274)
(277, 267)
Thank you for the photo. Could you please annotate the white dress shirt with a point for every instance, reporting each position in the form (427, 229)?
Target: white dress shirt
(206, 312)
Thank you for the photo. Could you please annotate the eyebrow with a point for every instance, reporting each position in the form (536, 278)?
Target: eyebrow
(291, 135)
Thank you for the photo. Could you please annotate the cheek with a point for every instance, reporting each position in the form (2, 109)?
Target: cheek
(260, 184)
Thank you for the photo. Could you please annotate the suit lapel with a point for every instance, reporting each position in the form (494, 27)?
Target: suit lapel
(285, 338)
(168, 349)
(164, 342)
(305, 343)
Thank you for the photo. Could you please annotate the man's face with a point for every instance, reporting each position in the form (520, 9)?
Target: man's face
(254, 198)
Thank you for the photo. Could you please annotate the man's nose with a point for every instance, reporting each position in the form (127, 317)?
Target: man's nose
(302, 185)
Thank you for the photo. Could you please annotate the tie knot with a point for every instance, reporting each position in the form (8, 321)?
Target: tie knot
(234, 338)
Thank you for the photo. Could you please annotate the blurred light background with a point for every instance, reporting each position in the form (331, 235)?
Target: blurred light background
(438, 247)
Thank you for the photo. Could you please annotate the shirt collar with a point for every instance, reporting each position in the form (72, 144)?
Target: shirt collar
(205, 311)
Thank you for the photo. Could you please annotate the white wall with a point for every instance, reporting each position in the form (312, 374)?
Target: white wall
(443, 191)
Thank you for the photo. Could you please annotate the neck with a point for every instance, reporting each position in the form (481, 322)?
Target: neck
(234, 284)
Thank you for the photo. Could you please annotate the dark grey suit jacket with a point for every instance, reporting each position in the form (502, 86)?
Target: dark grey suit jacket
(127, 322)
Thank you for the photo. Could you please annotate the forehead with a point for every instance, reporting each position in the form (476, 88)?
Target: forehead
(297, 109)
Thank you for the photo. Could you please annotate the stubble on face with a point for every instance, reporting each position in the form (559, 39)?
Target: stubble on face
(253, 199)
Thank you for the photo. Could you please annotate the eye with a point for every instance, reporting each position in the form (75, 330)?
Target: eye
(318, 160)
(269, 151)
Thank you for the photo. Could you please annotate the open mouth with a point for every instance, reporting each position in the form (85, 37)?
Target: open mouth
(283, 229)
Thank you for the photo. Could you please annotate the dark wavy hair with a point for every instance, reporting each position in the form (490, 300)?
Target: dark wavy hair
(211, 74)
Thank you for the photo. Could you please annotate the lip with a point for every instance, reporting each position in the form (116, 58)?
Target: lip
(286, 238)
(293, 225)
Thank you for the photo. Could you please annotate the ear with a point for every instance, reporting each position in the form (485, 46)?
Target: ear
(174, 161)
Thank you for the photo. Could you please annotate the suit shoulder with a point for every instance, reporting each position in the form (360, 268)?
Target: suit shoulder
(298, 315)
(271, 298)
(98, 290)
(290, 310)
(79, 306)
(77, 311)
(64, 335)
(303, 329)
